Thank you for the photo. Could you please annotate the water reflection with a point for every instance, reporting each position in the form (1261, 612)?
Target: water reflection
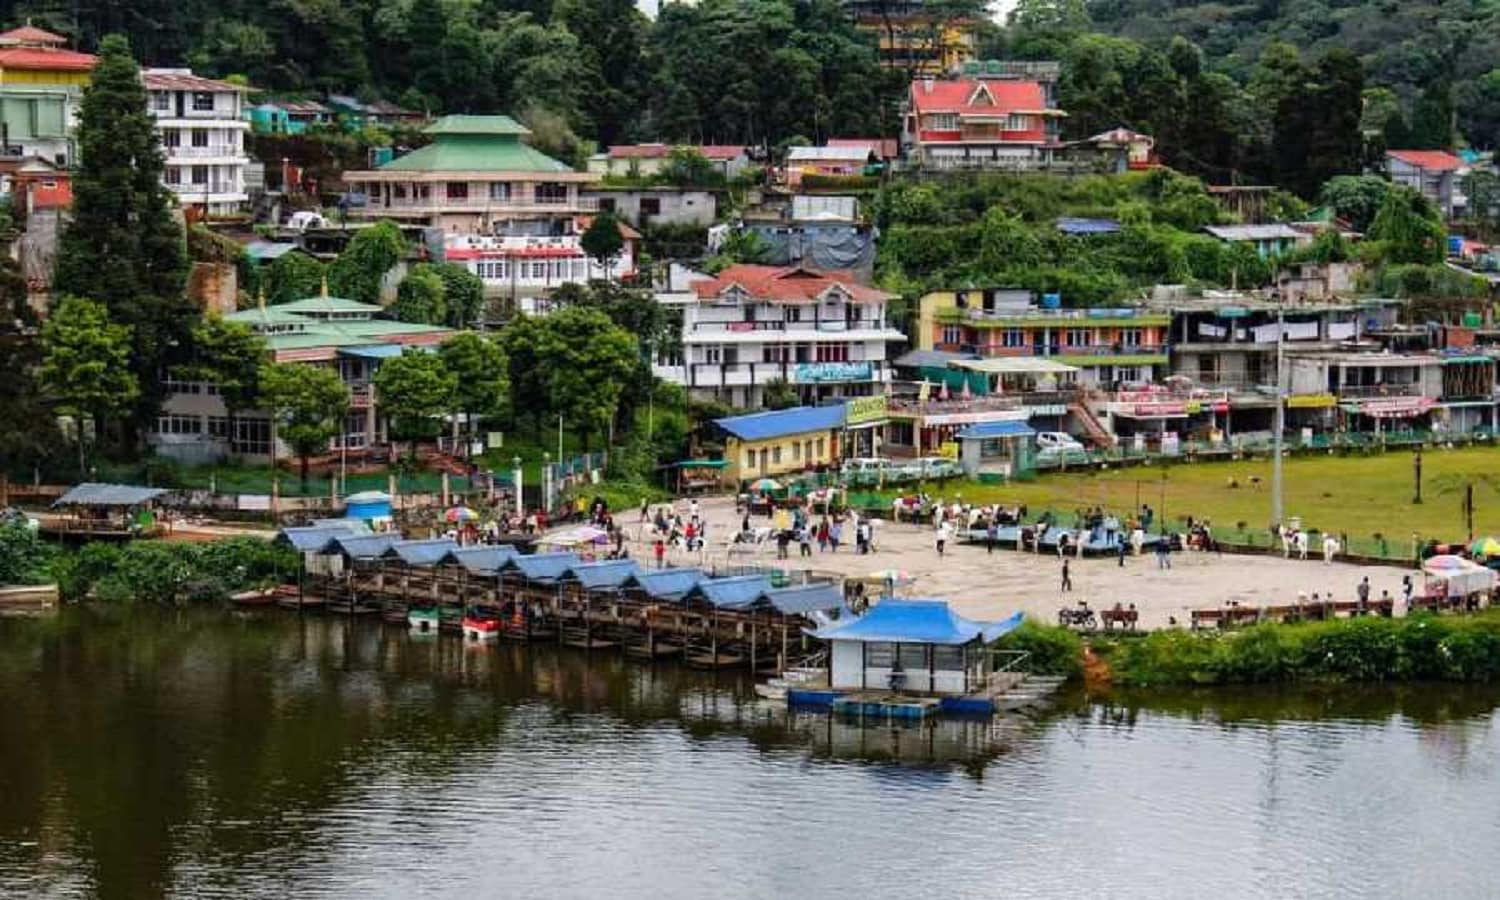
(145, 753)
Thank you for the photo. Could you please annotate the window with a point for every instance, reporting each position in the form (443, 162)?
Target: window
(713, 353)
(880, 655)
(179, 425)
(551, 192)
(749, 459)
(796, 452)
(650, 206)
(161, 100)
(203, 101)
(776, 455)
(174, 385)
(1130, 337)
(943, 122)
(948, 659)
(832, 353)
(500, 191)
(820, 448)
(1017, 122)
(775, 353)
(1013, 337)
(218, 427)
(252, 436)
(200, 137)
(1079, 337)
(171, 138)
(607, 204)
(793, 314)
(913, 657)
(398, 191)
(200, 174)
(953, 334)
(457, 190)
(172, 175)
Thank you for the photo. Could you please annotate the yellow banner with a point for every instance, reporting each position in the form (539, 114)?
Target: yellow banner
(1310, 401)
(948, 450)
(859, 410)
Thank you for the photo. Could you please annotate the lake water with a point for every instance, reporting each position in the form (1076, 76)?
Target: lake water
(208, 754)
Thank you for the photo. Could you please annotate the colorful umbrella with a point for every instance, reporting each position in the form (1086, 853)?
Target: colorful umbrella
(461, 514)
(765, 484)
(1485, 547)
(1446, 562)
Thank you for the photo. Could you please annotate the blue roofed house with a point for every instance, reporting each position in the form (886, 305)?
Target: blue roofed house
(931, 649)
(778, 442)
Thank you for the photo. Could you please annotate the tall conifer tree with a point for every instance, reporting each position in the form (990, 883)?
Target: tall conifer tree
(124, 247)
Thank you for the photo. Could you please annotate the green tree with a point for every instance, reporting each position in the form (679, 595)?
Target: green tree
(463, 293)
(587, 359)
(1432, 118)
(86, 366)
(478, 366)
(1409, 228)
(688, 167)
(231, 356)
(415, 390)
(293, 276)
(779, 395)
(123, 246)
(307, 404)
(1356, 198)
(360, 270)
(602, 240)
(521, 340)
(419, 299)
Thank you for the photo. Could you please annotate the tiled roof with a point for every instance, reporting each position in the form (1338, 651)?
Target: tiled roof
(776, 423)
(969, 96)
(183, 80)
(302, 107)
(45, 58)
(1431, 160)
(30, 34)
(787, 283)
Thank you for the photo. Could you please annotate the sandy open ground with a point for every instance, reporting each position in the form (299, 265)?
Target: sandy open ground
(988, 586)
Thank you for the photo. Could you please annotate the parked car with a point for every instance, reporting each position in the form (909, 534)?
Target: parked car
(866, 465)
(1056, 441)
(932, 467)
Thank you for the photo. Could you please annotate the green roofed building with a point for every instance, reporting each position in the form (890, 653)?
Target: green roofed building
(478, 176)
(345, 335)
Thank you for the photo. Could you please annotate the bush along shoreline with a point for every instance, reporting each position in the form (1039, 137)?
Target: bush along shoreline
(1415, 648)
(171, 572)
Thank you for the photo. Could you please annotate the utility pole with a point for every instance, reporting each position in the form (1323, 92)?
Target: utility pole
(1280, 422)
(1416, 473)
(1469, 509)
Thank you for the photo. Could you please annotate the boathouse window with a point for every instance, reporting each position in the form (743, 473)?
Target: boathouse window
(880, 656)
(914, 657)
(948, 659)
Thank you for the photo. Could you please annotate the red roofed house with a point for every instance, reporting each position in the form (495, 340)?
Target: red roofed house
(821, 331)
(1432, 173)
(984, 123)
(41, 83)
(522, 269)
(649, 159)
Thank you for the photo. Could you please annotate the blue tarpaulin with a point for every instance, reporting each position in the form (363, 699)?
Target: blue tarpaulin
(916, 622)
(985, 431)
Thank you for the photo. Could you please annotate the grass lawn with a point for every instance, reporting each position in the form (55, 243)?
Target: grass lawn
(1356, 495)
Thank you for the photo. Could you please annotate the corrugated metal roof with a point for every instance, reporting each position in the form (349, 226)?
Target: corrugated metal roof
(737, 592)
(988, 430)
(916, 622)
(184, 80)
(936, 359)
(421, 553)
(1253, 232)
(365, 546)
(829, 154)
(484, 125)
(476, 152)
(796, 601)
(542, 566)
(312, 539)
(600, 575)
(269, 249)
(666, 584)
(481, 560)
(776, 423)
(93, 493)
(1071, 225)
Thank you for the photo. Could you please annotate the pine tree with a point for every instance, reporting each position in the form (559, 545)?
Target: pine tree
(124, 248)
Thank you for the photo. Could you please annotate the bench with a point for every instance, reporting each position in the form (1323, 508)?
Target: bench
(1125, 618)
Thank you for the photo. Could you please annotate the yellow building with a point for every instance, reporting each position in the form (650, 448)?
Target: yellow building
(767, 444)
(33, 57)
(913, 38)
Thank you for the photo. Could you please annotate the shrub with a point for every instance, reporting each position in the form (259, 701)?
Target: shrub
(1054, 650)
(24, 557)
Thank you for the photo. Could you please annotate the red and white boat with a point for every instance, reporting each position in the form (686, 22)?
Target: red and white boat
(481, 628)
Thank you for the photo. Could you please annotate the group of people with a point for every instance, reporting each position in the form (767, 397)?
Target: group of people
(670, 527)
(829, 533)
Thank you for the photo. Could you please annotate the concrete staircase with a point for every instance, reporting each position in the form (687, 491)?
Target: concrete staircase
(1092, 426)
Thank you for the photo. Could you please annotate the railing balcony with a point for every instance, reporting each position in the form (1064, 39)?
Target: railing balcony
(1364, 391)
(212, 150)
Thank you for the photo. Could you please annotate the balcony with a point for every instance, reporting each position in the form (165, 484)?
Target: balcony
(832, 326)
(227, 151)
(744, 374)
(1367, 391)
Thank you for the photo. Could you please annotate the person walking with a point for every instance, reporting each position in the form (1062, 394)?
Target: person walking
(1067, 576)
(1363, 592)
(804, 541)
(1406, 590)
(661, 552)
(823, 535)
(1164, 553)
(991, 534)
(1121, 548)
(835, 534)
(645, 509)
(943, 530)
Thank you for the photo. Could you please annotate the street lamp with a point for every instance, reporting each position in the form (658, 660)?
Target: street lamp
(515, 463)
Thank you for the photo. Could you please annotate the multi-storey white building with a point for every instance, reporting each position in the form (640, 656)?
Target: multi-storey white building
(522, 267)
(203, 130)
(822, 332)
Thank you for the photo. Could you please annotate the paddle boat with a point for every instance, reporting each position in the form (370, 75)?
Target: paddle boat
(482, 626)
(422, 619)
